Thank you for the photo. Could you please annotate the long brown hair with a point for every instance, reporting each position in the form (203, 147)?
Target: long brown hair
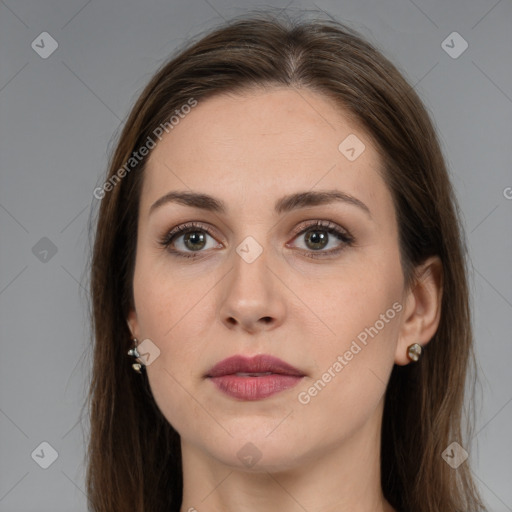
(134, 456)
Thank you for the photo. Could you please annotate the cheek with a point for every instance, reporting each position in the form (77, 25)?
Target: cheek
(168, 312)
(359, 315)
(167, 299)
(350, 376)
(353, 297)
(174, 311)
(177, 405)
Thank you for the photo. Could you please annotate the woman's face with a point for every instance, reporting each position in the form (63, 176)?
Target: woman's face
(262, 278)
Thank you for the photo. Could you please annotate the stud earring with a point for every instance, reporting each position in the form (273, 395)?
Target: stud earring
(414, 351)
(134, 353)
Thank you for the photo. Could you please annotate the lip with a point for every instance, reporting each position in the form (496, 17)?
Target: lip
(274, 376)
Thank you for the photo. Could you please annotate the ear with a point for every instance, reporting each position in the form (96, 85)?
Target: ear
(422, 312)
(133, 324)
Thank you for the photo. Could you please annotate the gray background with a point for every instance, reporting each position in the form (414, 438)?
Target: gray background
(58, 119)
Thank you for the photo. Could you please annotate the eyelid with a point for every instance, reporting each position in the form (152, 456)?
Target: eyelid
(182, 228)
(326, 224)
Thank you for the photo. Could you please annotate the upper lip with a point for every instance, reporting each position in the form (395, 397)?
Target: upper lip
(258, 364)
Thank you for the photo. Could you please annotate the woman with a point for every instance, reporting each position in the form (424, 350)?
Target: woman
(311, 351)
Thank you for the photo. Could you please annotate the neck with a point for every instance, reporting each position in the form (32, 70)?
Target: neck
(338, 478)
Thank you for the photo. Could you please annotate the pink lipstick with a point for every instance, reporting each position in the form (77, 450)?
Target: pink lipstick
(253, 378)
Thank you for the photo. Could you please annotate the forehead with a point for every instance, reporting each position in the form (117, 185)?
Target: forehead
(259, 145)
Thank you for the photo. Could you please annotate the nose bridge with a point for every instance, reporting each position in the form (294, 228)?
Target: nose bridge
(251, 272)
(251, 295)
(255, 259)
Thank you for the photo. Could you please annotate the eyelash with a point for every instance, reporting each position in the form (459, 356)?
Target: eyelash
(327, 226)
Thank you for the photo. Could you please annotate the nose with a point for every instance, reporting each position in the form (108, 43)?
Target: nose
(252, 298)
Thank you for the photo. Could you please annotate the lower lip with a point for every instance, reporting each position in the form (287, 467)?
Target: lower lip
(254, 388)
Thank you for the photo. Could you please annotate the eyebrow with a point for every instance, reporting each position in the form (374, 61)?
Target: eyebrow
(285, 204)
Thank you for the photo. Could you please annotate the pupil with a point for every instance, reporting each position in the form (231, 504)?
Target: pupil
(194, 237)
(317, 238)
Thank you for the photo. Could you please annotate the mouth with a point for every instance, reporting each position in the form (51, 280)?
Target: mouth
(253, 378)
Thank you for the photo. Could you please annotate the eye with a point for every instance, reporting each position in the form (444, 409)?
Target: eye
(317, 238)
(195, 237)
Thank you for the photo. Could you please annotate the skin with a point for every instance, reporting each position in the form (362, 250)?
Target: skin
(250, 150)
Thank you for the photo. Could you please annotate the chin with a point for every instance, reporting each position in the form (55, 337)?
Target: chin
(258, 452)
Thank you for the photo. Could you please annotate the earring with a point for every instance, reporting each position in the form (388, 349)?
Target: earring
(414, 351)
(134, 353)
